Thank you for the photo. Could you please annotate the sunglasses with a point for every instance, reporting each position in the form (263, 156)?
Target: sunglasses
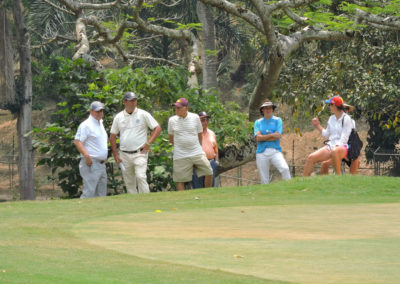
(204, 119)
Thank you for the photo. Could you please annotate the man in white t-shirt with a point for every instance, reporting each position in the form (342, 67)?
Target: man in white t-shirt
(185, 133)
(91, 142)
(133, 124)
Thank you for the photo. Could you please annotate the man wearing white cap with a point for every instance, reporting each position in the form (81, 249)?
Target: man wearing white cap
(133, 125)
(268, 132)
(91, 142)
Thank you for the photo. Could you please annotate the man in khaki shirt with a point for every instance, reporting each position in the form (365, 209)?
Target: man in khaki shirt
(133, 124)
(210, 147)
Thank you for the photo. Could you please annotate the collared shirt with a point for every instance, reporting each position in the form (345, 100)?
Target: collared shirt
(185, 132)
(338, 130)
(93, 136)
(133, 128)
(268, 126)
(209, 144)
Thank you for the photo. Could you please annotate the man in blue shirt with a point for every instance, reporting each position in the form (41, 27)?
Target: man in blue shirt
(268, 132)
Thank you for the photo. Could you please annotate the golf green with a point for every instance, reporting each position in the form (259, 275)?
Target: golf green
(311, 243)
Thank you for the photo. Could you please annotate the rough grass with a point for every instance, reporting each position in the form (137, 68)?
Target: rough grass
(315, 230)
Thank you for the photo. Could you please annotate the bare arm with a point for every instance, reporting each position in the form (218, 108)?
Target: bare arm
(200, 135)
(83, 151)
(113, 143)
(171, 139)
(268, 137)
(154, 135)
(315, 123)
(216, 150)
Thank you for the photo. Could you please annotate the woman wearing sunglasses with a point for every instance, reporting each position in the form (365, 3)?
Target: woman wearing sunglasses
(337, 131)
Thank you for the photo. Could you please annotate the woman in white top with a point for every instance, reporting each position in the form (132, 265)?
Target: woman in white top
(354, 164)
(337, 131)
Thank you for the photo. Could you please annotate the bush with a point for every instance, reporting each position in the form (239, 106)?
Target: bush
(157, 88)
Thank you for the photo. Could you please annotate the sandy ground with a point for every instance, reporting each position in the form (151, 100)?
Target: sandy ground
(296, 148)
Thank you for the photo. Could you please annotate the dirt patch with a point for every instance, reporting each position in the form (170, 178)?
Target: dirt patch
(296, 149)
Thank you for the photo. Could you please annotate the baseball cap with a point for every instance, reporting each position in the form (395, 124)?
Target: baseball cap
(96, 106)
(203, 114)
(336, 100)
(128, 96)
(182, 102)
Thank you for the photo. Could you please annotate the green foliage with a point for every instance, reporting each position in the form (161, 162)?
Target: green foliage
(157, 88)
(364, 72)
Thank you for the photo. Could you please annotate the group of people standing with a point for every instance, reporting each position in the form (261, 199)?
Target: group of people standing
(195, 147)
(195, 156)
(268, 131)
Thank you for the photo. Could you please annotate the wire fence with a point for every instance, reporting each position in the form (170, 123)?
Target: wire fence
(248, 174)
(46, 181)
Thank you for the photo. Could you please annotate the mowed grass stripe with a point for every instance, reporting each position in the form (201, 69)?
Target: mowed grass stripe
(39, 241)
(271, 242)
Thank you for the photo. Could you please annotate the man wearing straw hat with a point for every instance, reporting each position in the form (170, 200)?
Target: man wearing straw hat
(268, 132)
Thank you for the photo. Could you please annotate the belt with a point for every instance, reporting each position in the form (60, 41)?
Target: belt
(132, 152)
(99, 161)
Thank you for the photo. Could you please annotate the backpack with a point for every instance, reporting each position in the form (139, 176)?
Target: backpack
(355, 144)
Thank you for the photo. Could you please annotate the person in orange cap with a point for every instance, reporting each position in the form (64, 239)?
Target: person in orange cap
(353, 164)
(338, 132)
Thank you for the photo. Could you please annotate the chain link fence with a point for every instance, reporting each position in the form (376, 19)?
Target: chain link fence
(46, 182)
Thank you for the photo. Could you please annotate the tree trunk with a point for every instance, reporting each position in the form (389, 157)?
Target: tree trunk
(208, 42)
(266, 83)
(24, 123)
(7, 83)
(231, 156)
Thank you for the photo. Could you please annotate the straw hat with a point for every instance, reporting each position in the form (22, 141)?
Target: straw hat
(350, 107)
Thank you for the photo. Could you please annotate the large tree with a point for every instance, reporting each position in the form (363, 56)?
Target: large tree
(21, 102)
(283, 26)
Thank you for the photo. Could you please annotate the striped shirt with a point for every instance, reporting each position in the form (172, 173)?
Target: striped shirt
(185, 132)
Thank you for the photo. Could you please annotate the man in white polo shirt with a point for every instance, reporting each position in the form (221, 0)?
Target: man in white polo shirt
(91, 142)
(133, 124)
(185, 133)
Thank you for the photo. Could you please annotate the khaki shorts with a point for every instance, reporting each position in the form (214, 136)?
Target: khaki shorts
(183, 168)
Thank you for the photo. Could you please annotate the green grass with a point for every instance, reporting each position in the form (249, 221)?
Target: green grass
(314, 230)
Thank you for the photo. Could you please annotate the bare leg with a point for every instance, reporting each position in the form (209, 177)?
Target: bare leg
(180, 186)
(325, 167)
(337, 155)
(354, 166)
(320, 155)
(208, 181)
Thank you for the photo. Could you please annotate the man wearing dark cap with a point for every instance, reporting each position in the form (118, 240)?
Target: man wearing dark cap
(268, 132)
(91, 142)
(210, 147)
(185, 133)
(133, 124)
